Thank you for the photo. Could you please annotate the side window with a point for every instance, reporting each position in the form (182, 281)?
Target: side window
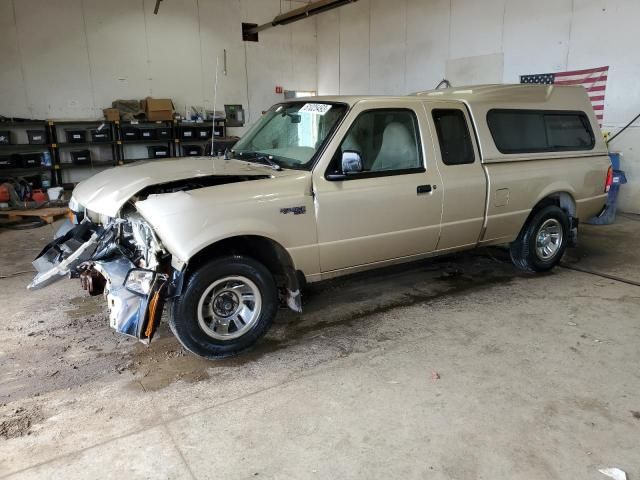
(530, 131)
(387, 140)
(454, 137)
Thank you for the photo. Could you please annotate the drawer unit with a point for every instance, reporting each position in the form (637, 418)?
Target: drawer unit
(76, 136)
(188, 133)
(130, 133)
(37, 137)
(80, 157)
(148, 133)
(101, 136)
(158, 151)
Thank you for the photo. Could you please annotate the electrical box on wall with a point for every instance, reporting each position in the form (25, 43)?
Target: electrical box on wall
(246, 36)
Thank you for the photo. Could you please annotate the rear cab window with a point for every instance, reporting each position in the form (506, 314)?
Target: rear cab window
(532, 131)
(454, 137)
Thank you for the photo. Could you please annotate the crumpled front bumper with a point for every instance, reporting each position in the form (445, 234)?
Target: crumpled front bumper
(87, 249)
(61, 257)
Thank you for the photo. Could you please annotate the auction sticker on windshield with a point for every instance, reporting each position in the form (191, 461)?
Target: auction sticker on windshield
(317, 108)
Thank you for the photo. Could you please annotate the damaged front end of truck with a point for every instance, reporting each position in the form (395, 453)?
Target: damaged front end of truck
(136, 230)
(120, 257)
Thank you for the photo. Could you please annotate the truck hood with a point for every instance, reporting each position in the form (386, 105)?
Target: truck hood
(106, 192)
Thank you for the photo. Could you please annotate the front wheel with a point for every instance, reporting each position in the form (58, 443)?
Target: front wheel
(543, 240)
(226, 306)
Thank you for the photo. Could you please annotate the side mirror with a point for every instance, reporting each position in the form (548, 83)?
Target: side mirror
(351, 162)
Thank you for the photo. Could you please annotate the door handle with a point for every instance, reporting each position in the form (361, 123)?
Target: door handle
(424, 189)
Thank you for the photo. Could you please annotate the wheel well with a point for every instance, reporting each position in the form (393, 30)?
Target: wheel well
(266, 251)
(563, 200)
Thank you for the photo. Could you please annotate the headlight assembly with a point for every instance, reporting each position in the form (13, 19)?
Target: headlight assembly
(139, 281)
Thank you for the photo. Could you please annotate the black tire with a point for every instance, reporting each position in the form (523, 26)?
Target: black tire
(523, 250)
(183, 313)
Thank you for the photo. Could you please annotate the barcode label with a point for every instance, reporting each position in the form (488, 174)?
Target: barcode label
(316, 108)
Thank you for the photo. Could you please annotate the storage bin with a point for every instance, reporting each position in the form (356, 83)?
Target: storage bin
(5, 137)
(188, 133)
(203, 133)
(130, 133)
(164, 133)
(191, 150)
(158, 151)
(37, 137)
(80, 157)
(101, 136)
(7, 161)
(30, 160)
(76, 136)
(148, 133)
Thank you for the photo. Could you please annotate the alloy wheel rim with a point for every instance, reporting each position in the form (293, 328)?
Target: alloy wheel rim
(549, 239)
(229, 308)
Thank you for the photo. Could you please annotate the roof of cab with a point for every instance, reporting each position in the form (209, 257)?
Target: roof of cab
(523, 94)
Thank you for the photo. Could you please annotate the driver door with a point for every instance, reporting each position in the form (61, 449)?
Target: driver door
(391, 209)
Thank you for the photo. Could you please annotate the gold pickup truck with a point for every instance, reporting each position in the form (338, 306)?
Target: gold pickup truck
(326, 186)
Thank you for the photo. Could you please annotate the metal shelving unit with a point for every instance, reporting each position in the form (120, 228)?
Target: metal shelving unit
(59, 148)
(218, 124)
(122, 143)
(18, 130)
(62, 148)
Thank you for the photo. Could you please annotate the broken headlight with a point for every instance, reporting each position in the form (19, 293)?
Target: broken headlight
(139, 281)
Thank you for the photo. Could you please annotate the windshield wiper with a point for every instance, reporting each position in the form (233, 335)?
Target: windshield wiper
(263, 159)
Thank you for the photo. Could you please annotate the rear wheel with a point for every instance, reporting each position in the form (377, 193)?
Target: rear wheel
(226, 306)
(542, 242)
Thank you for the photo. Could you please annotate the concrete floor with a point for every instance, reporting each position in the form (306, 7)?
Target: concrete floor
(454, 368)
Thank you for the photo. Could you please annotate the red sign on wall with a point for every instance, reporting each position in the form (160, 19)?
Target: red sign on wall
(278, 89)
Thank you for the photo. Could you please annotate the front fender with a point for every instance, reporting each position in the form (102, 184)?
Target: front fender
(186, 223)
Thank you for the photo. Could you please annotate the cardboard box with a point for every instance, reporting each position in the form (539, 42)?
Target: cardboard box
(158, 109)
(111, 114)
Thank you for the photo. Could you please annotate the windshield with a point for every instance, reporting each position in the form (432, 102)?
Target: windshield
(290, 133)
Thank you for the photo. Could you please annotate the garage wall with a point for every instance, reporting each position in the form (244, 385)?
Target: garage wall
(384, 47)
(71, 58)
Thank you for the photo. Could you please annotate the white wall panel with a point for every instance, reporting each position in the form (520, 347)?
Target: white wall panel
(117, 50)
(477, 70)
(13, 95)
(354, 48)
(220, 30)
(303, 55)
(54, 54)
(328, 55)
(274, 48)
(175, 62)
(388, 39)
(427, 43)
(476, 27)
(605, 32)
(628, 143)
(536, 37)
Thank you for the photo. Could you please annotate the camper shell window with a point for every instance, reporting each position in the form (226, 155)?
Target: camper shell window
(532, 131)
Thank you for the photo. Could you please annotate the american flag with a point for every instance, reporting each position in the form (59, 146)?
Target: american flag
(594, 80)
